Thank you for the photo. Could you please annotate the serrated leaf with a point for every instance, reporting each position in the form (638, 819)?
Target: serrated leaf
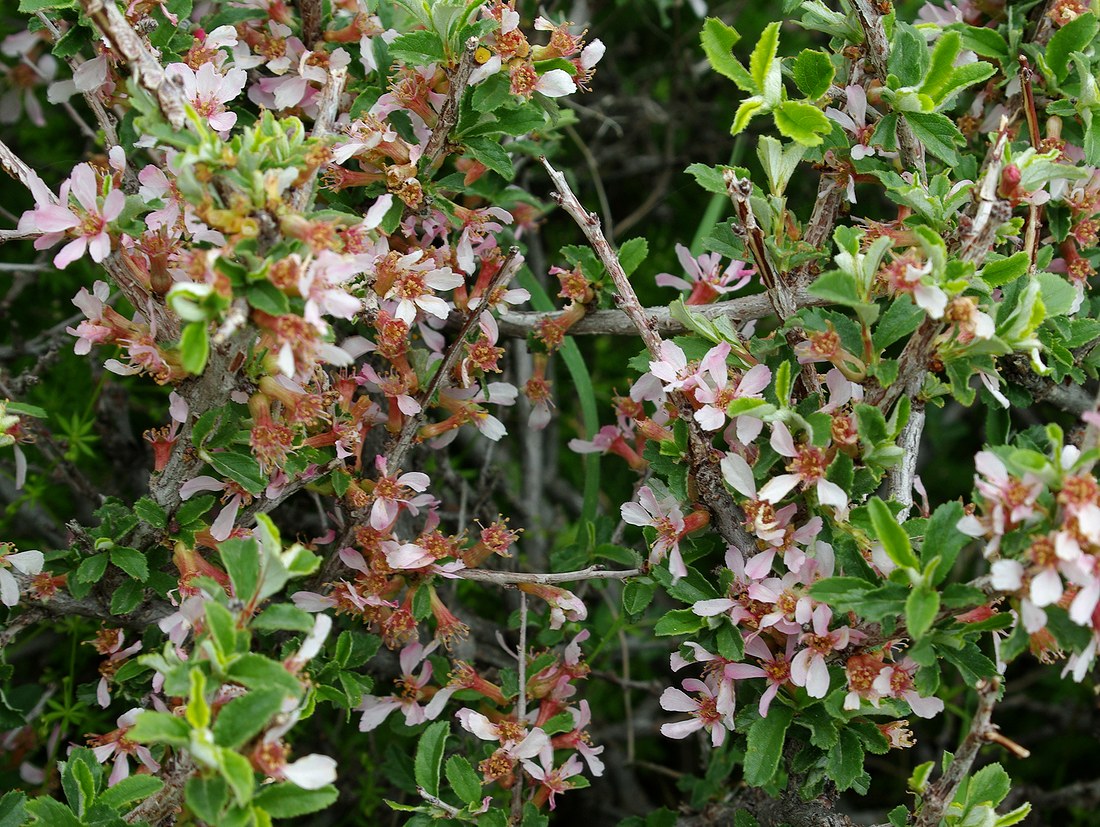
(195, 347)
(937, 133)
(240, 468)
(206, 797)
(160, 728)
(131, 561)
(765, 745)
(802, 122)
(1006, 270)
(130, 789)
(243, 718)
(464, 780)
(921, 608)
(632, 253)
(844, 763)
(288, 800)
(892, 536)
(91, 568)
(418, 48)
(718, 41)
(637, 595)
(678, 622)
(763, 56)
(127, 597)
(1075, 36)
(429, 756)
(813, 73)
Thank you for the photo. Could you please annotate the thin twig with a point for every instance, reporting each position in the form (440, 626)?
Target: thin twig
(521, 701)
(899, 478)
(310, 12)
(878, 52)
(727, 517)
(396, 454)
(510, 578)
(448, 113)
(302, 199)
(18, 169)
(939, 795)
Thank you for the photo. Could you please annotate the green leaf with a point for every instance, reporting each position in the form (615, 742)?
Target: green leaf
(749, 108)
(130, 789)
(901, 318)
(492, 154)
(151, 513)
(989, 785)
(921, 608)
(937, 133)
(52, 813)
(813, 73)
(1006, 270)
(1075, 36)
(985, 42)
(463, 779)
(223, 628)
(288, 800)
(718, 41)
(243, 718)
(13, 811)
(91, 568)
(242, 563)
(418, 48)
(206, 797)
(78, 782)
(678, 622)
(943, 540)
(126, 597)
(892, 536)
(632, 253)
(844, 763)
(257, 672)
(763, 57)
(802, 122)
(240, 468)
(837, 287)
(284, 617)
(131, 561)
(1058, 294)
(32, 6)
(238, 772)
(492, 93)
(270, 299)
(765, 745)
(942, 66)
(160, 728)
(637, 595)
(429, 756)
(195, 347)
(194, 508)
(909, 57)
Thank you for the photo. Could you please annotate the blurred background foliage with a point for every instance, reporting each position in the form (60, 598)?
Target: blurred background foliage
(655, 108)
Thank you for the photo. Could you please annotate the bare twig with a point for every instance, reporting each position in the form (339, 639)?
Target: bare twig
(939, 795)
(617, 323)
(448, 113)
(17, 168)
(302, 199)
(511, 578)
(726, 515)
(310, 11)
(779, 292)
(396, 454)
(521, 701)
(899, 478)
(147, 69)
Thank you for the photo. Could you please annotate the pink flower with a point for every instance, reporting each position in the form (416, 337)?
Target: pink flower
(517, 743)
(808, 667)
(222, 526)
(716, 399)
(87, 219)
(896, 681)
(410, 691)
(712, 711)
(209, 91)
(807, 468)
(28, 563)
(855, 122)
(390, 495)
(706, 278)
(776, 671)
(552, 780)
(667, 520)
(115, 743)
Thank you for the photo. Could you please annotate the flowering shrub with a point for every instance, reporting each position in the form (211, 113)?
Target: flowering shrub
(306, 241)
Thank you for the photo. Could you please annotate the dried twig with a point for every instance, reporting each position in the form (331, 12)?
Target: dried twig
(899, 478)
(448, 113)
(147, 70)
(310, 12)
(727, 517)
(302, 199)
(17, 168)
(521, 700)
(404, 441)
(939, 795)
(510, 578)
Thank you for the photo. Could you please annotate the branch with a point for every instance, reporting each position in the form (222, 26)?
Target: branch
(396, 454)
(521, 701)
(939, 795)
(448, 113)
(616, 323)
(17, 168)
(899, 478)
(779, 292)
(878, 52)
(727, 516)
(310, 12)
(511, 578)
(146, 69)
(302, 199)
